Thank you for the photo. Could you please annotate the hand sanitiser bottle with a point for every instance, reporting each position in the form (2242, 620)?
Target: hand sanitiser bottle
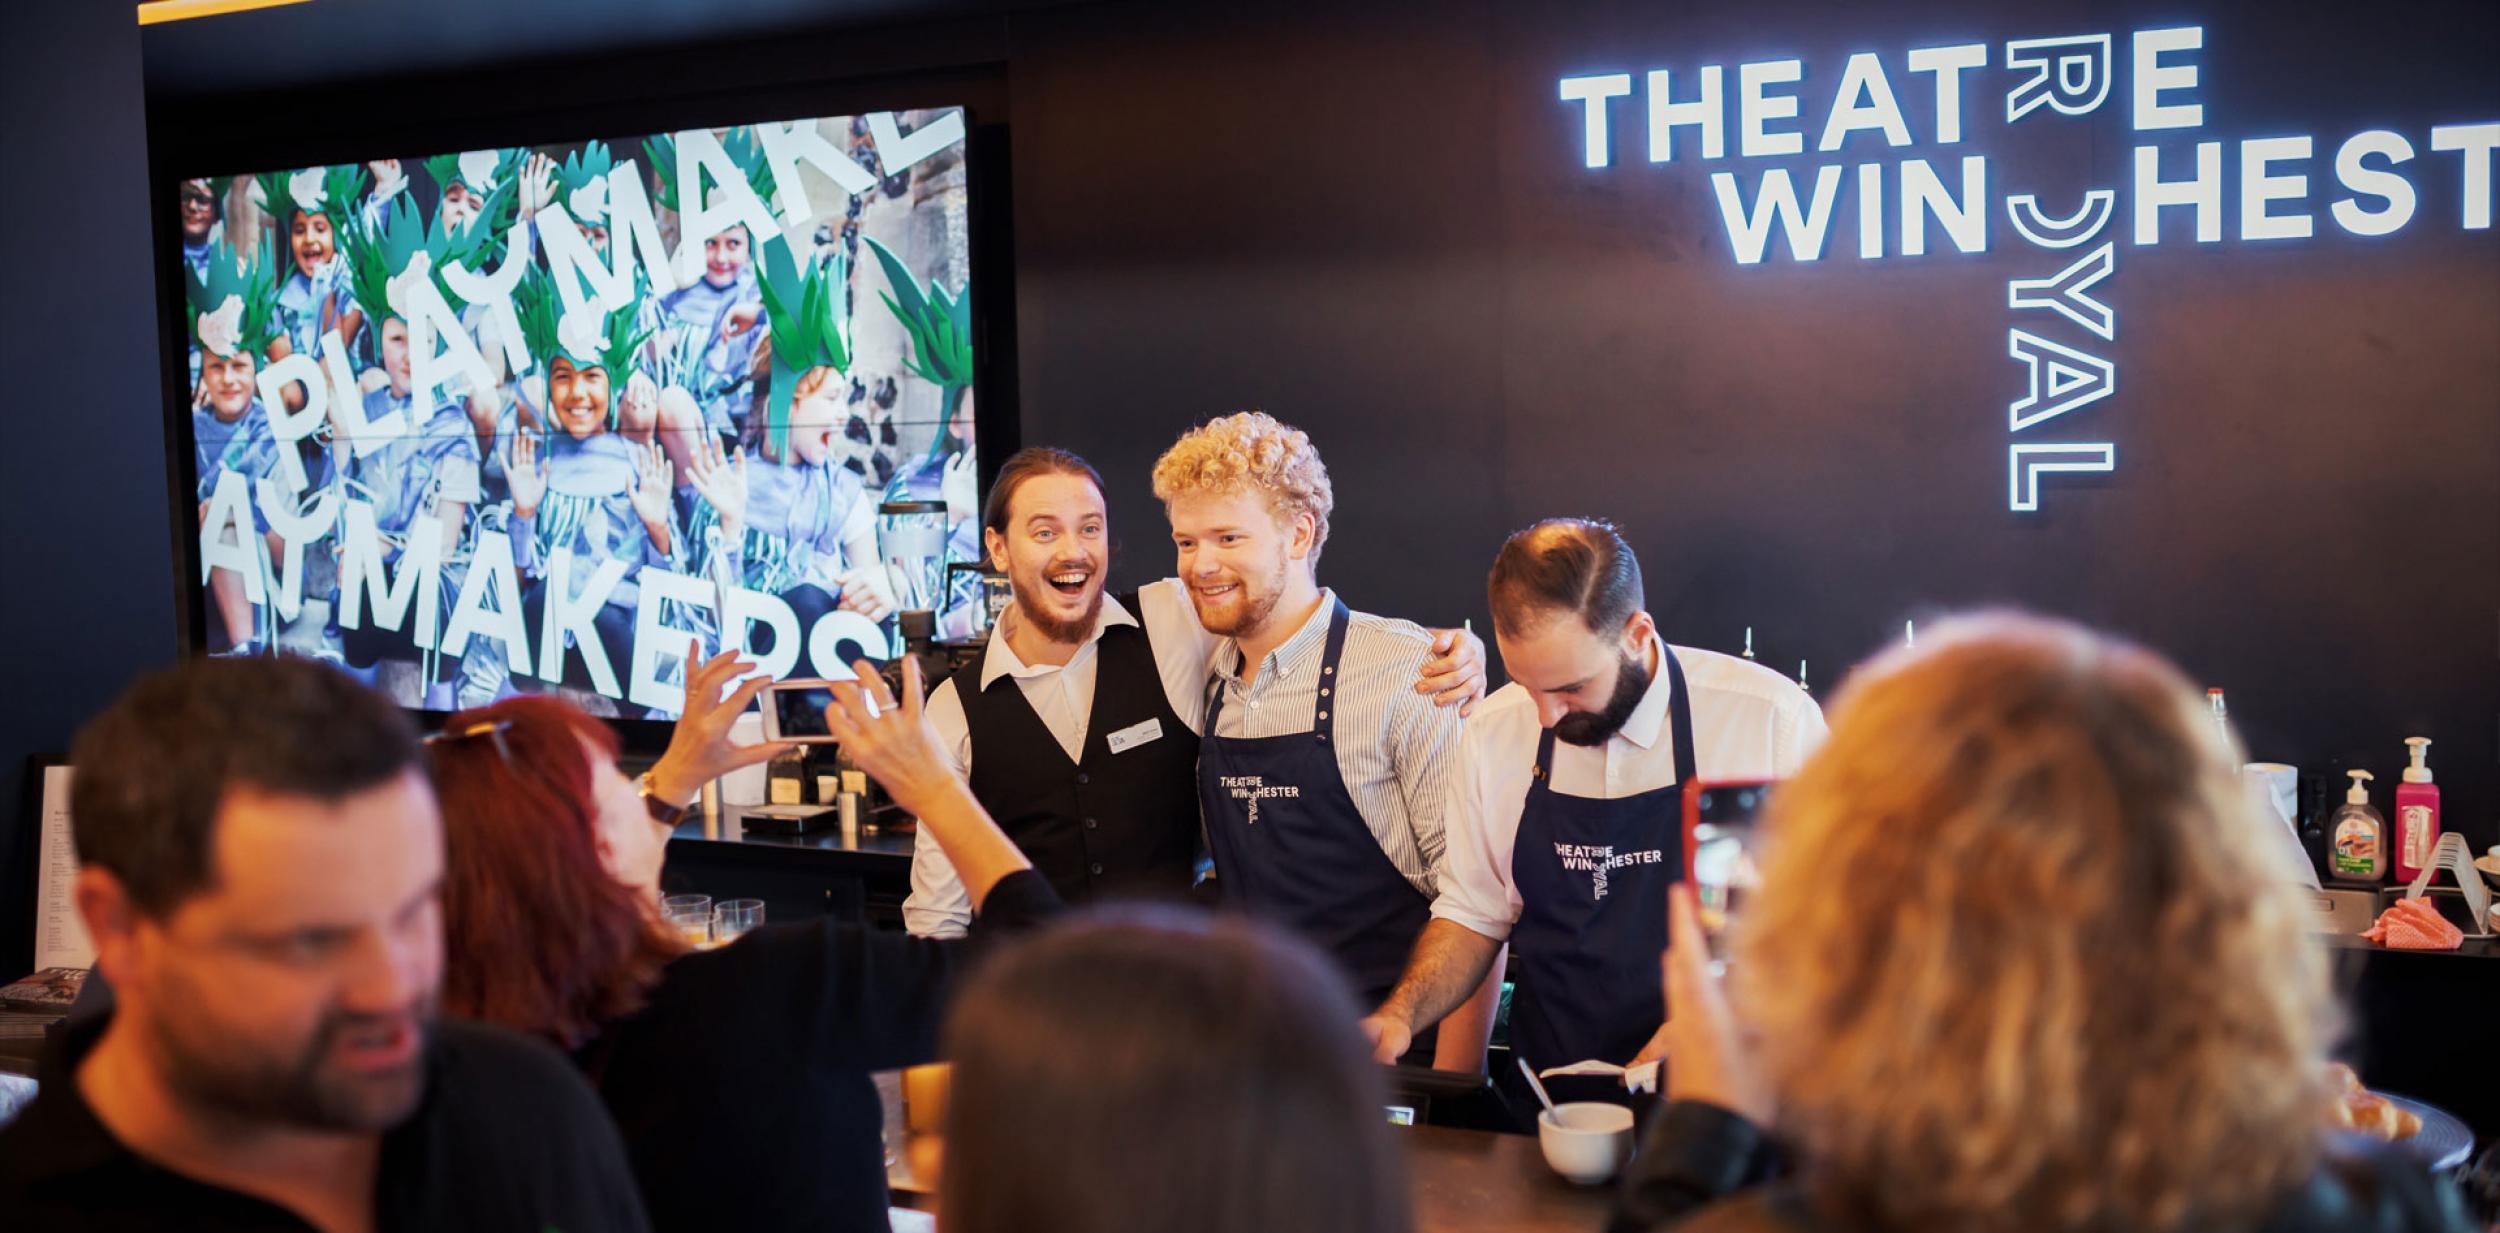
(2359, 836)
(2417, 812)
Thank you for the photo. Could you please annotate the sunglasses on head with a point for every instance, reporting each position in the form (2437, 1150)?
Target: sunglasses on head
(491, 729)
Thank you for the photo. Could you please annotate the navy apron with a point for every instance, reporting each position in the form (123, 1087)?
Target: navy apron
(1592, 877)
(1290, 846)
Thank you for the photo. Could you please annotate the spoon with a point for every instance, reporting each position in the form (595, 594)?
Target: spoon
(1538, 1088)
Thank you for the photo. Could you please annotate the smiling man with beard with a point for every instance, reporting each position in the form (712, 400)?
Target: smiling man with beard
(1321, 777)
(262, 875)
(1090, 761)
(1582, 760)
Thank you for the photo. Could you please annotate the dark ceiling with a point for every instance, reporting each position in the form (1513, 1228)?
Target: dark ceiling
(326, 41)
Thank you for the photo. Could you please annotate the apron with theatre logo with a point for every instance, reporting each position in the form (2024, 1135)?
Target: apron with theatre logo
(1290, 846)
(1592, 877)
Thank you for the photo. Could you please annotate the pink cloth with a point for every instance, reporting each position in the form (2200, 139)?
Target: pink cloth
(2414, 925)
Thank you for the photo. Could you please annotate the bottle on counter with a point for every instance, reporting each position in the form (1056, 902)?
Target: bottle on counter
(2360, 835)
(786, 778)
(2219, 712)
(2417, 812)
(2315, 833)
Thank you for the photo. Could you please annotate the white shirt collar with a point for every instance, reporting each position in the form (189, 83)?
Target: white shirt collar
(1226, 660)
(1651, 715)
(1001, 659)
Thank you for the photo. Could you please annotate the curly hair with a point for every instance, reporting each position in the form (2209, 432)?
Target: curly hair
(1251, 451)
(2057, 988)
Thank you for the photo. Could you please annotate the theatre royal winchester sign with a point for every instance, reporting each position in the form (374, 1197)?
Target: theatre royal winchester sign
(2278, 187)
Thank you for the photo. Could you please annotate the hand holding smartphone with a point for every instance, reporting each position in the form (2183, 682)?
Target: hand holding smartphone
(1722, 848)
(794, 711)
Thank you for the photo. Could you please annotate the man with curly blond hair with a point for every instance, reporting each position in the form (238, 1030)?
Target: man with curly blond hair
(1321, 771)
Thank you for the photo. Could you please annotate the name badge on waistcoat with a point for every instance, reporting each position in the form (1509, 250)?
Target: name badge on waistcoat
(1134, 735)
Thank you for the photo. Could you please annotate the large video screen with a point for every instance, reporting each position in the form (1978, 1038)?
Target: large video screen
(544, 418)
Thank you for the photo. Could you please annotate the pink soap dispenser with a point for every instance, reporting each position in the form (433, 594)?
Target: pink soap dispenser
(2417, 813)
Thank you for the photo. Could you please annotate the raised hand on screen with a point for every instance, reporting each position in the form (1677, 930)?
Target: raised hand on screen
(653, 490)
(538, 184)
(721, 481)
(521, 471)
(741, 319)
(864, 591)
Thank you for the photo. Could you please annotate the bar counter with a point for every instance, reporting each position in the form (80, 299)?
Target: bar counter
(878, 851)
(798, 876)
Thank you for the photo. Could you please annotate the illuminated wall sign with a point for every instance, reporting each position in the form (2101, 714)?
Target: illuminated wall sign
(2060, 318)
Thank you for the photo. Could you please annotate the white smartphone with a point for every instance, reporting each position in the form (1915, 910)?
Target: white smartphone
(795, 711)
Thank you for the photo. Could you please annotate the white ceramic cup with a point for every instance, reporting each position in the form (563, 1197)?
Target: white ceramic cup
(1586, 1141)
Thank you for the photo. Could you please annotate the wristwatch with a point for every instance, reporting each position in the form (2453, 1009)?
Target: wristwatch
(661, 811)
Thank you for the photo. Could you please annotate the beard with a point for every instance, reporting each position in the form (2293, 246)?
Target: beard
(302, 1091)
(1040, 592)
(1596, 727)
(1056, 630)
(1255, 606)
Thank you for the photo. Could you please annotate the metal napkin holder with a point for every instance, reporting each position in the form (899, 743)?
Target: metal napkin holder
(2453, 854)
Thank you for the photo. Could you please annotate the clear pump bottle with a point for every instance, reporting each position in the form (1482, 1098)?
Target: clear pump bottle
(2359, 836)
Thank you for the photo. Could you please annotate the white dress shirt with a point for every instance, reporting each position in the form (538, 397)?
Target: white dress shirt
(1749, 722)
(1395, 748)
(1062, 695)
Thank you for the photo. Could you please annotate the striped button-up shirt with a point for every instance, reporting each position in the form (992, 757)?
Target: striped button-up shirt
(1394, 747)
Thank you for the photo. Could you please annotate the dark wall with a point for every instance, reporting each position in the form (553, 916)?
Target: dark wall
(1293, 212)
(86, 574)
(1377, 224)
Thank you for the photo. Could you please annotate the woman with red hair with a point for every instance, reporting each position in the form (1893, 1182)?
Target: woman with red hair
(749, 1062)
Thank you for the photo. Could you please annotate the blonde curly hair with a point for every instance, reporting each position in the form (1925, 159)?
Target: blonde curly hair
(2018, 960)
(1251, 452)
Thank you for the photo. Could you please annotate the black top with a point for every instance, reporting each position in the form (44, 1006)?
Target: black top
(507, 1138)
(1703, 1169)
(742, 1087)
(1109, 824)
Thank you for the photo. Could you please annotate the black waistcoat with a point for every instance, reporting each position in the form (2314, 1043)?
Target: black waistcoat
(1110, 824)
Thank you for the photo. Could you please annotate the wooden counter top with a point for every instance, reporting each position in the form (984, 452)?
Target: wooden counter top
(1468, 1181)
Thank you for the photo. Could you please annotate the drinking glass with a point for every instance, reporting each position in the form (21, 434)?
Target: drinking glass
(690, 916)
(734, 917)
